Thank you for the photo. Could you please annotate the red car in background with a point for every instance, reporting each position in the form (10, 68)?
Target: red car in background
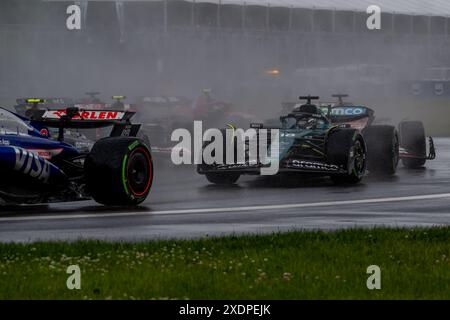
(161, 115)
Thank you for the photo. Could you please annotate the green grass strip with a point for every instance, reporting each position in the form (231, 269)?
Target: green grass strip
(298, 265)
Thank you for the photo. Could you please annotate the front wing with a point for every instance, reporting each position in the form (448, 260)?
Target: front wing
(407, 154)
(293, 165)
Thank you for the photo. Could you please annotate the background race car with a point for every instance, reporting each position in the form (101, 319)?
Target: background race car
(214, 113)
(25, 106)
(160, 115)
(93, 102)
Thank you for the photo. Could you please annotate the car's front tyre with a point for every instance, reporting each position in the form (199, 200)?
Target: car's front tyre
(382, 148)
(222, 178)
(413, 139)
(347, 149)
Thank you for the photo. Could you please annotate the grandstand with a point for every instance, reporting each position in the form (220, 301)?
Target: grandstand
(403, 16)
(410, 7)
(174, 45)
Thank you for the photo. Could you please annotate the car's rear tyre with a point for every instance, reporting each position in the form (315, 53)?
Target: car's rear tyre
(382, 149)
(413, 140)
(223, 178)
(347, 150)
(145, 139)
(119, 171)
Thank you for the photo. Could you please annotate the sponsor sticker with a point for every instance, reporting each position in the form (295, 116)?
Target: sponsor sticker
(348, 111)
(86, 115)
(30, 164)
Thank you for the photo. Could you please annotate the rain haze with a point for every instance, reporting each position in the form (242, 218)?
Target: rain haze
(255, 55)
(229, 63)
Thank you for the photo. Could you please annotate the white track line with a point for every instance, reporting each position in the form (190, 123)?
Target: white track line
(228, 210)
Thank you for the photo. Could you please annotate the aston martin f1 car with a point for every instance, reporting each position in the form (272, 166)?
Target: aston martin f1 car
(38, 169)
(386, 144)
(308, 143)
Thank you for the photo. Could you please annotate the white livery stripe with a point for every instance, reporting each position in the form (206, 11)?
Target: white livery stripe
(229, 209)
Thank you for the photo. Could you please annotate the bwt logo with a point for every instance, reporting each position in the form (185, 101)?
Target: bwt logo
(237, 149)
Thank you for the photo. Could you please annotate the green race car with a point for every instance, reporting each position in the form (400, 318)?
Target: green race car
(308, 143)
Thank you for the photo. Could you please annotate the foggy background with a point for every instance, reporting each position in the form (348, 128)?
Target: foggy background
(178, 48)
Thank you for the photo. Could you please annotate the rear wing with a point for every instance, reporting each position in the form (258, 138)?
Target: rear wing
(75, 118)
(79, 118)
(288, 107)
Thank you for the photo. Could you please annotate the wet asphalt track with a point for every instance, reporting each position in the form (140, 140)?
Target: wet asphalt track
(182, 204)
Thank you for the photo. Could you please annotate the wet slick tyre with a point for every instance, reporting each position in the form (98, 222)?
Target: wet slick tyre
(223, 178)
(382, 149)
(413, 140)
(346, 149)
(119, 171)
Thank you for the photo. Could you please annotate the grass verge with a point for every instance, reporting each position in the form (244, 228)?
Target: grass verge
(299, 265)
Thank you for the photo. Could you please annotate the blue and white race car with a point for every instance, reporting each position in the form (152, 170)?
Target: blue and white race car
(36, 168)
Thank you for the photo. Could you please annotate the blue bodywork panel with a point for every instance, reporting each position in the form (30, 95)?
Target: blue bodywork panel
(24, 151)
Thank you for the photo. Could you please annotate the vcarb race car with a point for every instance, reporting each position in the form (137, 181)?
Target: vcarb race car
(37, 169)
(309, 144)
(386, 144)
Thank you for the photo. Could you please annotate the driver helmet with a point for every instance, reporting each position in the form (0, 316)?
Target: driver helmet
(307, 124)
